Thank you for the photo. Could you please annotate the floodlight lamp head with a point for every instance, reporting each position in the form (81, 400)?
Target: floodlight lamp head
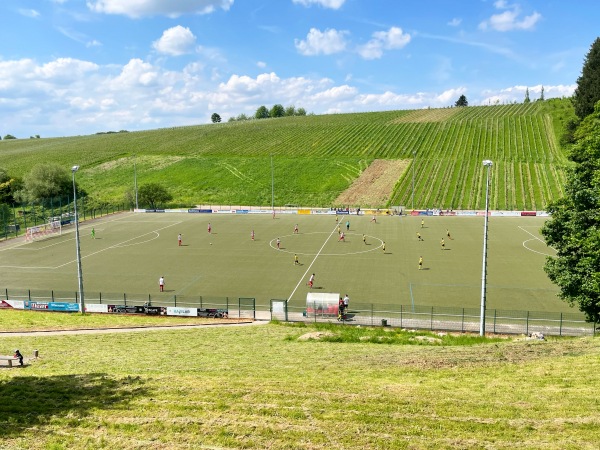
(488, 163)
(74, 169)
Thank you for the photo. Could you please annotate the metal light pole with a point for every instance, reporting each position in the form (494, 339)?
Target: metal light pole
(79, 272)
(272, 188)
(135, 183)
(413, 179)
(487, 163)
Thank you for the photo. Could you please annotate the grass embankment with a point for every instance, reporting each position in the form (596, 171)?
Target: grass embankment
(262, 387)
(315, 158)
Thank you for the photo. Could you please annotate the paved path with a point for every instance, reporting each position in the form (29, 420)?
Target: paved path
(127, 330)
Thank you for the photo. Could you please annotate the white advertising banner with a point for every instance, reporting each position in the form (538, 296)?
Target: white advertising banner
(179, 311)
(96, 308)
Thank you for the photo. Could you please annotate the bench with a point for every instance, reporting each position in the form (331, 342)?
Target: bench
(10, 360)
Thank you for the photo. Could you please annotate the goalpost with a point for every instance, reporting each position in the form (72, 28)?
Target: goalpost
(43, 231)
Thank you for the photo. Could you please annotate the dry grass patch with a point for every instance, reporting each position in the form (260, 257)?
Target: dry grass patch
(375, 185)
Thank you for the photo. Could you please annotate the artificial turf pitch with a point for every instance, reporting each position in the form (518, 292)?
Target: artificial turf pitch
(131, 251)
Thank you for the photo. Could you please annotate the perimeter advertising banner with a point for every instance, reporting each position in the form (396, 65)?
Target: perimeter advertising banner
(177, 311)
(96, 308)
(51, 306)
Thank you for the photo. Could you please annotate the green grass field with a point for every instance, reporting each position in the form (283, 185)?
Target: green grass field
(131, 252)
(261, 387)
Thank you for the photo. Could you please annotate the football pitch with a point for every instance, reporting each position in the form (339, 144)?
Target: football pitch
(131, 252)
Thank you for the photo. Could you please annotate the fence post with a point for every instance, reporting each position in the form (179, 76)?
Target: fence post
(29, 294)
(6, 292)
(200, 302)
(100, 297)
(527, 327)
(400, 316)
(175, 300)
(52, 294)
(125, 298)
(560, 326)
(149, 300)
(371, 314)
(431, 323)
(495, 317)
(462, 324)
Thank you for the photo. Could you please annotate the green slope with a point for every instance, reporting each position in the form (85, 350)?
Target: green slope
(317, 157)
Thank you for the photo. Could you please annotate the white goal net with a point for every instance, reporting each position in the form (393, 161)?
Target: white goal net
(43, 231)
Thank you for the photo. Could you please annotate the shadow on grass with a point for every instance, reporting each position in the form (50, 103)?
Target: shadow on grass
(31, 401)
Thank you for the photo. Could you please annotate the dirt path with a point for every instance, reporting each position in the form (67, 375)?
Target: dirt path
(375, 185)
(127, 329)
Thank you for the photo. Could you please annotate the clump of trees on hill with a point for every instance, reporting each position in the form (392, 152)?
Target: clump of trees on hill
(277, 110)
(573, 230)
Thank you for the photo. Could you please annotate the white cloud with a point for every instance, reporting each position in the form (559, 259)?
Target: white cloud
(455, 22)
(261, 64)
(332, 4)
(175, 41)
(322, 43)
(68, 96)
(29, 13)
(517, 93)
(392, 39)
(510, 19)
(170, 8)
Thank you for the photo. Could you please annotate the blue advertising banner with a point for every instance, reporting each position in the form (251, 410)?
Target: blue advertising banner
(51, 306)
(197, 210)
(63, 306)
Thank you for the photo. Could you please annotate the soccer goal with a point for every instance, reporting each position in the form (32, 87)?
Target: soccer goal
(43, 231)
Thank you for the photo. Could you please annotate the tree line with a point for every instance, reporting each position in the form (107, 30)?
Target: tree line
(574, 228)
(262, 112)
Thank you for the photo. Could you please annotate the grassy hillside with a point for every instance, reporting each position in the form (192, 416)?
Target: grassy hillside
(262, 387)
(316, 157)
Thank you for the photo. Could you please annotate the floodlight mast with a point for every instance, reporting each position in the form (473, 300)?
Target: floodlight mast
(135, 183)
(488, 164)
(413, 179)
(79, 271)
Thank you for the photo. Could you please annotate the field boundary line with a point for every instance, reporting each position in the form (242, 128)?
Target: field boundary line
(118, 244)
(86, 224)
(312, 262)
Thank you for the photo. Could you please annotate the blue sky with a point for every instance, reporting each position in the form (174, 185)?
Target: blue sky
(75, 67)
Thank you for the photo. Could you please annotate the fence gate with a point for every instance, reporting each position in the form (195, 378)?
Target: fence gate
(247, 307)
(279, 310)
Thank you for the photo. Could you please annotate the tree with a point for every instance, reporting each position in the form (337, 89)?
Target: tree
(526, 100)
(46, 181)
(587, 92)
(9, 186)
(215, 118)
(153, 195)
(462, 101)
(300, 112)
(9, 136)
(277, 111)
(574, 229)
(290, 111)
(262, 113)
(542, 94)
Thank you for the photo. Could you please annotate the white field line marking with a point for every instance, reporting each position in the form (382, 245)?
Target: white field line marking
(119, 244)
(535, 238)
(313, 261)
(88, 225)
(283, 250)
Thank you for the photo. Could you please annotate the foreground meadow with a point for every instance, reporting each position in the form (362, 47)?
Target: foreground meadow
(262, 387)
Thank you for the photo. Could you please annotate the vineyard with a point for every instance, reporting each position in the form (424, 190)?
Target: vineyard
(315, 158)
